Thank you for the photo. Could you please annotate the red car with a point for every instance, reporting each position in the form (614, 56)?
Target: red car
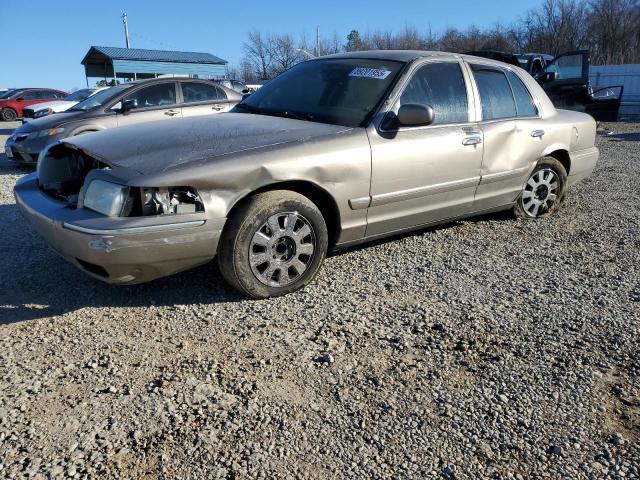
(13, 101)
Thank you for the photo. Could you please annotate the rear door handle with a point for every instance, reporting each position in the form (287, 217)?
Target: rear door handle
(217, 107)
(171, 113)
(537, 133)
(474, 140)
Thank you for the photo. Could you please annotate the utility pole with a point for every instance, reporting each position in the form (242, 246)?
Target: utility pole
(126, 28)
(317, 41)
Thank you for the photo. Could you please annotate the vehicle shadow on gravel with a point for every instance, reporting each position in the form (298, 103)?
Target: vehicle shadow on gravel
(625, 137)
(496, 217)
(35, 283)
(54, 289)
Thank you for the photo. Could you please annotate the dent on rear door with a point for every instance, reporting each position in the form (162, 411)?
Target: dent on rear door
(509, 154)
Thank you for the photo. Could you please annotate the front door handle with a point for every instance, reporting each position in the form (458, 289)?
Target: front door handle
(473, 140)
(217, 108)
(171, 113)
(537, 133)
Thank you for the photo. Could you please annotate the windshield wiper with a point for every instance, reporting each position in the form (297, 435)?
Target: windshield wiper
(294, 115)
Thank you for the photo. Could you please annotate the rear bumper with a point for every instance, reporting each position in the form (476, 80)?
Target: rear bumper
(582, 164)
(119, 250)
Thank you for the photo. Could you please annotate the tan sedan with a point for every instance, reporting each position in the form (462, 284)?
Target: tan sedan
(338, 150)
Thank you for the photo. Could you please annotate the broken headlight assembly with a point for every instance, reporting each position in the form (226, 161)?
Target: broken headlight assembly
(169, 201)
(116, 200)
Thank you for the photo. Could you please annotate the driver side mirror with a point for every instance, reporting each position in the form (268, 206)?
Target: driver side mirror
(415, 115)
(20, 99)
(410, 115)
(128, 105)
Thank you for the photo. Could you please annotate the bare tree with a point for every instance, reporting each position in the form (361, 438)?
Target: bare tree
(259, 54)
(610, 29)
(285, 54)
(614, 27)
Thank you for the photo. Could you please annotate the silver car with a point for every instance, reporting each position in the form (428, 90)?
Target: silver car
(126, 104)
(336, 151)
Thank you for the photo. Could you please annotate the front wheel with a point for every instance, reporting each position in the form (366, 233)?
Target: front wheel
(273, 244)
(8, 114)
(544, 191)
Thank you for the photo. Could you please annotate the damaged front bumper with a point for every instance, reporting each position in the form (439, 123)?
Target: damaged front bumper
(125, 250)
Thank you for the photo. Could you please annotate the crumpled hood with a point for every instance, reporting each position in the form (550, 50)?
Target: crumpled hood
(161, 145)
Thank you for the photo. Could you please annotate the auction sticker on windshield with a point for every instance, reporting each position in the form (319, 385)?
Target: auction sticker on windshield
(370, 73)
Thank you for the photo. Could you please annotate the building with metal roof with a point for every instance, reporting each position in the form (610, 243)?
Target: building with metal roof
(136, 63)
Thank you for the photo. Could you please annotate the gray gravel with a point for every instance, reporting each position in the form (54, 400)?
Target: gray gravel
(489, 348)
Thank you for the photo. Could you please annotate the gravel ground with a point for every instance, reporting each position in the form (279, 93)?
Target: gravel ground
(489, 348)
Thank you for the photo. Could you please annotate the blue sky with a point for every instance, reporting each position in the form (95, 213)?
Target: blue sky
(43, 42)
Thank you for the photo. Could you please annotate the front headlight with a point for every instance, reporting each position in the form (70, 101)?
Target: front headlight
(107, 198)
(51, 132)
(42, 113)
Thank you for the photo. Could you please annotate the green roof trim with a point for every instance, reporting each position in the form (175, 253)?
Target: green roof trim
(144, 55)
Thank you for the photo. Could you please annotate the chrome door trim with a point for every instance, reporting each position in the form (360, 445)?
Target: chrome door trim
(411, 193)
(497, 177)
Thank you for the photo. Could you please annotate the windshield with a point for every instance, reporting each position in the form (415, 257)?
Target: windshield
(9, 93)
(79, 95)
(101, 98)
(341, 91)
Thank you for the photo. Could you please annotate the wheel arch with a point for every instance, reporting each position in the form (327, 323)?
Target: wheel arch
(318, 195)
(562, 155)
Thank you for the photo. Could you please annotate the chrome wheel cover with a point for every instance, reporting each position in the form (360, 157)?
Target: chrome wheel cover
(540, 192)
(282, 249)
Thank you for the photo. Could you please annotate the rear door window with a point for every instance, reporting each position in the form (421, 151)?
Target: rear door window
(495, 94)
(524, 102)
(160, 95)
(441, 86)
(194, 92)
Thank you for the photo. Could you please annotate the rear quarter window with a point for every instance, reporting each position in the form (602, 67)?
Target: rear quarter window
(524, 102)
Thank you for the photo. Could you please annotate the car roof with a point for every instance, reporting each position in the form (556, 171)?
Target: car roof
(180, 79)
(411, 55)
(397, 55)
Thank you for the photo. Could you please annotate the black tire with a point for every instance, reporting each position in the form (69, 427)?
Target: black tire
(535, 199)
(238, 243)
(9, 115)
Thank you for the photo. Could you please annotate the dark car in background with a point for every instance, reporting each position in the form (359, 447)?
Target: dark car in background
(13, 101)
(126, 104)
(565, 79)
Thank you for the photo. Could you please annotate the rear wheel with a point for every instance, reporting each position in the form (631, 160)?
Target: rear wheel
(544, 191)
(273, 244)
(8, 114)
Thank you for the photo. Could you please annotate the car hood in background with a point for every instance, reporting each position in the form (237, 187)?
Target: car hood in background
(157, 146)
(50, 121)
(57, 106)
